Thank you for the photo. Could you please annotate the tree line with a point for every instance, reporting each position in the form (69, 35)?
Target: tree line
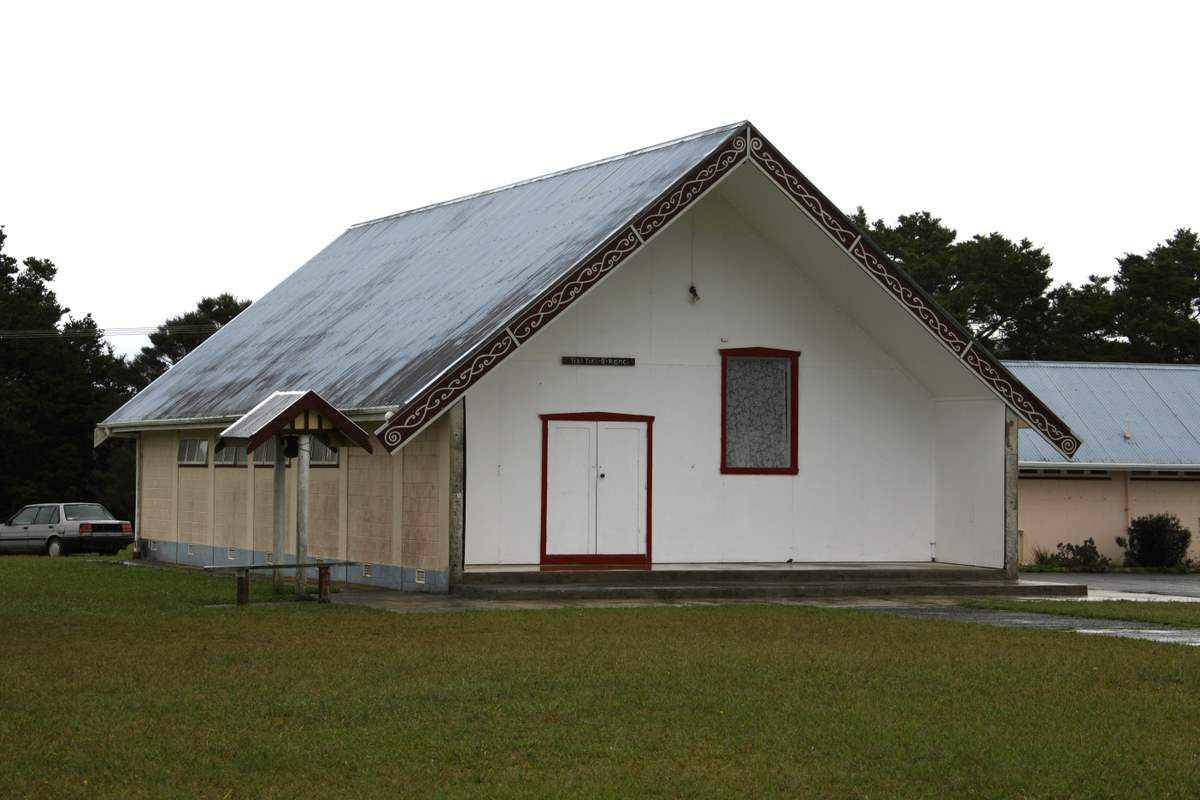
(1000, 289)
(58, 377)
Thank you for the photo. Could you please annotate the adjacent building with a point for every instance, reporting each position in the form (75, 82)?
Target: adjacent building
(1141, 454)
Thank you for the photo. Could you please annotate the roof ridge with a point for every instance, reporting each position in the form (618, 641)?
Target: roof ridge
(557, 173)
(1099, 364)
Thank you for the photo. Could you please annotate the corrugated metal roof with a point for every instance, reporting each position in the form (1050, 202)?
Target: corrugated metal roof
(1126, 414)
(266, 411)
(391, 303)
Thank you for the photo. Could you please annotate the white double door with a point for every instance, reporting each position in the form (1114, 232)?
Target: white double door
(596, 488)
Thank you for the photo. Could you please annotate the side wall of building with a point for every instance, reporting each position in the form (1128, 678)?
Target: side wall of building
(969, 494)
(389, 512)
(1099, 507)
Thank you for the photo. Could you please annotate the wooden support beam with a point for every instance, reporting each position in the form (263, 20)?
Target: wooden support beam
(458, 485)
(323, 589)
(278, 542)
(1012, 554)
(302, 464)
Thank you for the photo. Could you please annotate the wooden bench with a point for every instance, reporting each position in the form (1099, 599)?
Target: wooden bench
(243, 575)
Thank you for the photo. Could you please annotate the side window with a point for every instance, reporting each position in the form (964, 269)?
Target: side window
(53, 516)
(43, 515)
(265, 454)
(193, 452)
(321, 455)
(759, 411)
(25, 515)
(230, 456)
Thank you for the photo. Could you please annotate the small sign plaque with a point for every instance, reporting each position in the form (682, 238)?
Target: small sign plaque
(597, 361)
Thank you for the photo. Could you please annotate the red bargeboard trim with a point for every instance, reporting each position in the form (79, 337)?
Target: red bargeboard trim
(562, 560)
(794, 412)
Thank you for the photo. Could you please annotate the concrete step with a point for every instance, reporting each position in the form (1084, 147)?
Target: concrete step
(764, 589)
(708, 577)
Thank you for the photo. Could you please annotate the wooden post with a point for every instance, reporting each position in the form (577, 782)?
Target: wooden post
(1012, 555)
(323, 590)
(302, 511)
(243, 586)
(280, 513)
(137, 496)
(458, 484)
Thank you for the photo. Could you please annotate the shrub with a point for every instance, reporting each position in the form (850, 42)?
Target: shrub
(1044, 558)
(1156, 540)
(1082, 556)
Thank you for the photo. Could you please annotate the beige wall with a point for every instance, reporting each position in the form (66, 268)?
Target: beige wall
(372, 507)
(323, 512)
(370, 493)
(1054, 510)
(425, 519)
(193, 500)
(264, 508)
(1050, 511)
(229, 507)
(157, 492)
(1181, 498)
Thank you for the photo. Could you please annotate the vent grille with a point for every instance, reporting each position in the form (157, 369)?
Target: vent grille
(232, 554)
(420, 576)
(366, 570)
(270, 557)
(189, 550)
(153, 545)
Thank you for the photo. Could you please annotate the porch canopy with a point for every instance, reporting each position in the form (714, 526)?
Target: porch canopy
(294, 414)
(299, 416)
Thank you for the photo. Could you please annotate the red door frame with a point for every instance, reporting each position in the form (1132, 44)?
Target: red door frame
(593, 560)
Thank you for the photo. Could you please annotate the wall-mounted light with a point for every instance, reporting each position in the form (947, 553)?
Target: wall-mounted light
(695, 296)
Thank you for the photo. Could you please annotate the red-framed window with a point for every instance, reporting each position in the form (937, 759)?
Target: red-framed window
(759, 411)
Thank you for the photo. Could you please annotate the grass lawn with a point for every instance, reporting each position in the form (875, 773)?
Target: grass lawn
(1182, 615)
(119, 682)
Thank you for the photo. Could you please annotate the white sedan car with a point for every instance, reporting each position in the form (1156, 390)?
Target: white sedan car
(60, 528)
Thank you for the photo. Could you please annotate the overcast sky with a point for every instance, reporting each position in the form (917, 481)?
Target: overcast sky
(161, 152)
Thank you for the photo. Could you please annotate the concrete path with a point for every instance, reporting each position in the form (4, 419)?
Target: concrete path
(1102, 585)
(1047, 622)
(916, 608)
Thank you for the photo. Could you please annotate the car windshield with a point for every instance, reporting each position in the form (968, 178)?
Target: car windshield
(86, 511)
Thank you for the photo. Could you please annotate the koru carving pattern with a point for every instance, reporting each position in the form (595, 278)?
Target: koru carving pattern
(691, 187)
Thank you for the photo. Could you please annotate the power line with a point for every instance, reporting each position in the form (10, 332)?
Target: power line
(96, 333)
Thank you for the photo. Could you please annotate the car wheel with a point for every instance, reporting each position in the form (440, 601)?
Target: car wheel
(54, 547)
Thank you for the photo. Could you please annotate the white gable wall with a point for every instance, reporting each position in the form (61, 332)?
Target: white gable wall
(868, 430)
(969, 483)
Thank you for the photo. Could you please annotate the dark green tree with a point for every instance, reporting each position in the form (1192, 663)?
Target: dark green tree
(180, 335)
(1081, 324)
(1158, 301)
(57, 378)
(920, 243)
(995, 287)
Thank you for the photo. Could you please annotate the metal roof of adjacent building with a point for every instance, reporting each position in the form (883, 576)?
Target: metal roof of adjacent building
(392, 303)
(1135, 415)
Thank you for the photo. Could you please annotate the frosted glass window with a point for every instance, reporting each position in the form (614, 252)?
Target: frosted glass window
(321, 455)
(265, 454)
(230, 456)
(193, 451)
(759, 410)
